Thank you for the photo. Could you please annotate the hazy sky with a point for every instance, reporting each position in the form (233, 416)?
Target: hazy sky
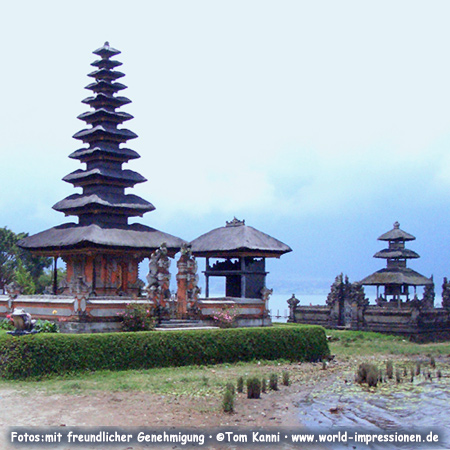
(320, 123)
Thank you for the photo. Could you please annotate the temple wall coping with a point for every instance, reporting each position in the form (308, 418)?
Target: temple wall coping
(231, 301)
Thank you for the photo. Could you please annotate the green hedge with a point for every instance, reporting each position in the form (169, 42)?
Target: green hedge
(58, 354)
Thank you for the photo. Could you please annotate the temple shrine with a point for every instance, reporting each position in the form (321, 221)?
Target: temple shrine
(396, 278)
(102, 251)
(239, 253)
(397, 310)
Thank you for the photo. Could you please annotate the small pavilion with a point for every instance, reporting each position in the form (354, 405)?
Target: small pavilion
(396, 278)
(102, 251)
(241, 251)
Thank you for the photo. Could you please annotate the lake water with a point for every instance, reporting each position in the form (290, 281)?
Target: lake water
(420, 406)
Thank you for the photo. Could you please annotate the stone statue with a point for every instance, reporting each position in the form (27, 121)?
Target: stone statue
(357, 295)
(446, 294)
(293, 302)
(13, 290)
(158, 278)
(428, 296)
(23, 322)
(187, 284)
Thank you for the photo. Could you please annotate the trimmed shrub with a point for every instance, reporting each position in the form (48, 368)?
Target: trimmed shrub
(230, 387)
(240, 385)
(273, 382)
(263, 385)
(253, 387)
(58, 354)
(390, 369)
(367, 373)
(228, 400)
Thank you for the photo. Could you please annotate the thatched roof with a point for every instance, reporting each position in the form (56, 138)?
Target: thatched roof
(396, 234)
(71, 236)
(400, 253)
(397, 276)
(237, 240)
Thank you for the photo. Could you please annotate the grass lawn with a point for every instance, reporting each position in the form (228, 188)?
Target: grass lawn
(198, 381)
(351, 343)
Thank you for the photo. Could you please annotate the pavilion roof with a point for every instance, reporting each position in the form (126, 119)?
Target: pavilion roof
(396, 276)
(237, 240)
(400, 253)
(72, 236)
(396, 234)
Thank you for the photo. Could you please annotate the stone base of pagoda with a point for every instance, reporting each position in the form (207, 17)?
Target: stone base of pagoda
(102, 314)
(73, 315)
(252, 311)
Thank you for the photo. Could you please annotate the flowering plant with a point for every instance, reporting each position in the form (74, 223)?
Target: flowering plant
(137, 317)
(226, 316)
(7, 324)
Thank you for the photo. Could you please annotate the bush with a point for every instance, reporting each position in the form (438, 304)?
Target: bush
(273, 382)
(228, 400)
(367, 373)
(6, 324)
(45, 354)
(45, 326)
(390, 369)
(263, 385)
(254, 387)
(230, 387)
(285, 378)
(433, 362)
(240, 385)
(137, 317)
(226, 316)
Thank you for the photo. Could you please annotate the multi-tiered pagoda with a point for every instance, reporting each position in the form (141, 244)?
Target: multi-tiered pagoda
(396, 277)
(102, 251)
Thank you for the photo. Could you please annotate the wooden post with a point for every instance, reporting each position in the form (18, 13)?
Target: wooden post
(207, 279)
(243, 280)
(55, 275)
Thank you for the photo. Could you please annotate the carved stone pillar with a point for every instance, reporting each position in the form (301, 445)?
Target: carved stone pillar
(187, 283)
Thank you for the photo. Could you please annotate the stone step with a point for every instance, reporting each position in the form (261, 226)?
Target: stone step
(180, 323)
(185, 328)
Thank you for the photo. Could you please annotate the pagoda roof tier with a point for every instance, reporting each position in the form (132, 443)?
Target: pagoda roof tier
(105, 86)
(401, 253)
(238, 240)
(396, 276)
(396, 234)
(105, 100)
(102, 132)
(71, 236)
(106, 51)
(106, 63)
(129, 205)
(101, 149)
(102, 114)
(101, 175)
(106, 74)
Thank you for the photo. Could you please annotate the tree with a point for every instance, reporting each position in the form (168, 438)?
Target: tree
(24, 279)
(16, 263)
(7, 257)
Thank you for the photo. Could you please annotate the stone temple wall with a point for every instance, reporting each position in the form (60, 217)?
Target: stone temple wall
(347, 308)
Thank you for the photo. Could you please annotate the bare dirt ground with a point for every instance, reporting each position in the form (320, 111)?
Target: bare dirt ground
(129, 409)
